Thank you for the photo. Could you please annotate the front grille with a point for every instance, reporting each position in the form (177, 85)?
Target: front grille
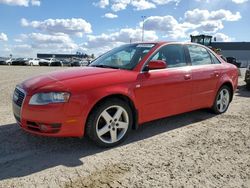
(18, 97)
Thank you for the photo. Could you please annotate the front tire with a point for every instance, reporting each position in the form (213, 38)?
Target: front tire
(109, 123)
(222, 100)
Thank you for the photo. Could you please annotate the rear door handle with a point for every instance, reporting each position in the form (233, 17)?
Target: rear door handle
(187, 76)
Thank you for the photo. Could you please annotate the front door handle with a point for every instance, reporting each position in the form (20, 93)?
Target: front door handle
(187, 76)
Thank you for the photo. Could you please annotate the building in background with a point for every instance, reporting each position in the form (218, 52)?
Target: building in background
(238, 50)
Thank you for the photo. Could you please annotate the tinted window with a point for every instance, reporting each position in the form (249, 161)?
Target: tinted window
(199, 55)
(214, 59)
(174, 55)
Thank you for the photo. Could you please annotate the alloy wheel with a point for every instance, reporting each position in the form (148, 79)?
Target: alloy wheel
(112, 124)
(223, 100)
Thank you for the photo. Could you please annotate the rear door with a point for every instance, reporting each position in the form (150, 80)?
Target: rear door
(167, 91)
(205, 76)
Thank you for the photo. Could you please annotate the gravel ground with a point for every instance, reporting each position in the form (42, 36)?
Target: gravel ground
(196, 149)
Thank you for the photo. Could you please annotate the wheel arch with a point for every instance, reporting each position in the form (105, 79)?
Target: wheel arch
(122, 97)
(230, 85)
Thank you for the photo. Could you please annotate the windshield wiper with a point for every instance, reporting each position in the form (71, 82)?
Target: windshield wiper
(105, 66)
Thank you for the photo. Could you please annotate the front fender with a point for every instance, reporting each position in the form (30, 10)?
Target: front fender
(94, 96)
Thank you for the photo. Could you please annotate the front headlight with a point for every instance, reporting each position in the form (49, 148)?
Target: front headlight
(48, 98)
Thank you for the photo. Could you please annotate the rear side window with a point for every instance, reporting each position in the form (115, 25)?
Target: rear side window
(199, 55)
(214, 59)
(172, 54)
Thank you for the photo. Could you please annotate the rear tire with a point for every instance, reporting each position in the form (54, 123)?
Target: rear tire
(222, 100)
(109, 123)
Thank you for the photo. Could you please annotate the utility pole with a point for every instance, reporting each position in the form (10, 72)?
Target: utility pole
(143, 19)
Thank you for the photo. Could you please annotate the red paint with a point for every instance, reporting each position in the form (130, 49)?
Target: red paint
(155, 94)
(157, 64)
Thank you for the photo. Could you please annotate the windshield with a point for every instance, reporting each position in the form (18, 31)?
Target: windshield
(124, 57)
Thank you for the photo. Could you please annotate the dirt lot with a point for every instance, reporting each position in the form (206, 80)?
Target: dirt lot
(196, 149)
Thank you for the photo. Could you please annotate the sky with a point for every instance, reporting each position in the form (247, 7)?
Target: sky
(28, 27)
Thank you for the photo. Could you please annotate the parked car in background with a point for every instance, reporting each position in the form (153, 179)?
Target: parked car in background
(233, 61)
(9, 61)
(20, 61)
(3, 61)
(66, 63)
(247, 77)
(75, 63)
(84, 63)
(122, 89)
(44, 62)
(56, 62)
(47, 62)
(79, 63)
(34, 61)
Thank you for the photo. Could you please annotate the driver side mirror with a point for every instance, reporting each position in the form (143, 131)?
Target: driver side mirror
(156, 64)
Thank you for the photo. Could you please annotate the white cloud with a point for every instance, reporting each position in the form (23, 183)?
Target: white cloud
(210, 26)
(221, 37)
(240, 1)
(197, 16)
(15, 2)
(35, 2)
(142, 4)
(73, 26)
(21, 2)
(210, 22)
(120, 5)
(105, 42)
(164, 2)
(160, 23)
(196, 20)
(33, 43)
(102, 3)
(110, 15)
(57, 41)
(24, 22)
(234, 1)
(3, 37)
(168, 25)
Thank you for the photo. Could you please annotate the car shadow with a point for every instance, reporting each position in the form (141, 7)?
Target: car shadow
(22, 154)
(242, 91)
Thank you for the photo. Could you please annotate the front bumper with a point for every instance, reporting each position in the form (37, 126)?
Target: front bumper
(48, 120)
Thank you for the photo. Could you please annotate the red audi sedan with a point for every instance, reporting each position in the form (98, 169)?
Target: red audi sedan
(123, 88)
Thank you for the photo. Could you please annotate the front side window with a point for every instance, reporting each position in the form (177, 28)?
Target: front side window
(172, 54)
(124, 57)
(199, 55)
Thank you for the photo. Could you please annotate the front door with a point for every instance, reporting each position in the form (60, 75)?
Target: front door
(167, 91)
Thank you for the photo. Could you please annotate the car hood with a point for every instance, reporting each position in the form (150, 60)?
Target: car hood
(55, 79)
